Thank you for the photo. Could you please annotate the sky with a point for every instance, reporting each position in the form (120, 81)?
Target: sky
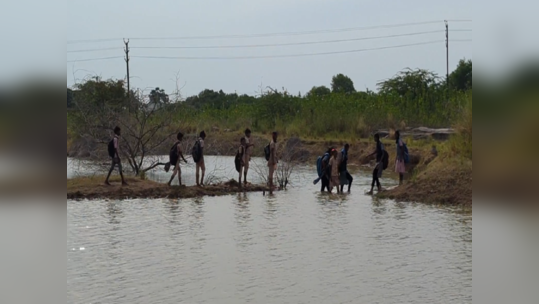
(113, 20)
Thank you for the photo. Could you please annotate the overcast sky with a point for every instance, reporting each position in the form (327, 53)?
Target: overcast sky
(105, 19)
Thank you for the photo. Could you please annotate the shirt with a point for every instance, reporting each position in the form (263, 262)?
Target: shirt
(344, 159)
(379, 151)
(116, 144)
(400, 144)
(241, 151)
(249, 151)
(334, 163)
(273, 154)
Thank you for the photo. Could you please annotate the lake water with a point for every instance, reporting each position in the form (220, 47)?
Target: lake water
(298, 246)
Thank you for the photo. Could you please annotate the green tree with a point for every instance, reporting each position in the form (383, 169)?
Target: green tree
(342, 84)
(159, 96)
(319, 91)
(102, 93)
(461, 78)
(410, 83)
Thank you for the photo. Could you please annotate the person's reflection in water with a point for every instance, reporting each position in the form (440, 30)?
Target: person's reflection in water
(196, 216)
(175, 209)
(378, 206)
(114, 213)
(243, 220)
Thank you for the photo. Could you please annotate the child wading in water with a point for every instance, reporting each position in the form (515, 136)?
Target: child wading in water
(379, 168)
(334, 169)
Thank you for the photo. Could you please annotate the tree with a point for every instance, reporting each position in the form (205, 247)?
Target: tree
(95, 92)
(461, 78)
(144, 130)
(69, 98)
(342, 84)
(158, 96)
(319, 91)
(410, 83)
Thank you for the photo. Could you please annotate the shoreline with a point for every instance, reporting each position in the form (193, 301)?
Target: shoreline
(429, 179)
(90, 188)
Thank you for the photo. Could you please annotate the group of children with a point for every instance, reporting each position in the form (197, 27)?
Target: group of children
(333, 171)
(176, 156)
(332, 167)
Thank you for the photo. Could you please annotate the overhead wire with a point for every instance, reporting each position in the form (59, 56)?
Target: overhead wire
(94, 59)
(289, 55)
(262, 35)
(286, 44)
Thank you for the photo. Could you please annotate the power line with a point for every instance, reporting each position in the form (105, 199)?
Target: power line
(290, 55)
(94, 59)
(95, 50)
(270, 45)
(93, 40)
(263, 35)
(283, 44)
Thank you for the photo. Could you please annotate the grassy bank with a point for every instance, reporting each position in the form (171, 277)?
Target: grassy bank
(94, 188)
(446, 179)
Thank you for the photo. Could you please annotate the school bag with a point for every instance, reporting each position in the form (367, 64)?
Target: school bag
(324, 158)
(237, 160)
(267, 152)
(173, 154)
(196, 152)
(406, 153)
(385, 159)
(112, 151)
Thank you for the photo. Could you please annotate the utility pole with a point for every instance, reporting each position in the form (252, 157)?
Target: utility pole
(447, 50)
(126, 50)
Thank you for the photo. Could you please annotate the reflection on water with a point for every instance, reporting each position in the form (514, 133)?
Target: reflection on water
(297, 246)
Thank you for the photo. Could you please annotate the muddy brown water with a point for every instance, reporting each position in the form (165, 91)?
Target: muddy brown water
(298, 246)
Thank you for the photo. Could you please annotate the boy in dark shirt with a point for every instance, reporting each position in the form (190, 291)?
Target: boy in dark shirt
(377, 173)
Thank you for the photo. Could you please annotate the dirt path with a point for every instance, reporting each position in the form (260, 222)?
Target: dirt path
(94, 188)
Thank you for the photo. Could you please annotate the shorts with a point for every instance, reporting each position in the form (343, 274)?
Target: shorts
(118, 162)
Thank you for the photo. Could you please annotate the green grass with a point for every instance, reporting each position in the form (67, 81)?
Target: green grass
(336, 116)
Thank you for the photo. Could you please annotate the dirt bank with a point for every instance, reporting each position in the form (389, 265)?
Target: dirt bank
(443, 181)
(94, 188)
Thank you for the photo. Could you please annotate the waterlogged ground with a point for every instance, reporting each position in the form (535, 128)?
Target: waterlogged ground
(295, 247)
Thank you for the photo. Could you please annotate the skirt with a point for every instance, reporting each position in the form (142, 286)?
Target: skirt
(400, 167)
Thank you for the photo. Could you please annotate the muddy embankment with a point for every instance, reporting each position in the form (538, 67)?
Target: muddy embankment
(94, 188)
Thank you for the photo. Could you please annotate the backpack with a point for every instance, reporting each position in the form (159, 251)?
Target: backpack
(237, 160)
(385, 159)
(267, 152)
(325, 159)
(173, 155)
(196, 152)
(112, 151)
(406, 153)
